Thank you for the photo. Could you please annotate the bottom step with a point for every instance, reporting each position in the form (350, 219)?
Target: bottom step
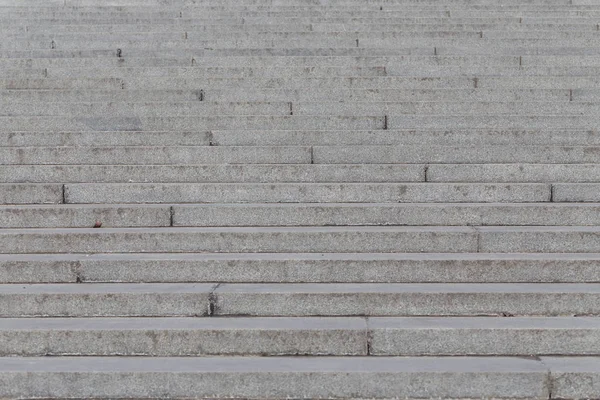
(335, 377)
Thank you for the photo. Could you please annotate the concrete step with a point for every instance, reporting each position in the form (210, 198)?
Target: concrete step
(186, 178)
(299, 122)
(555, 173)
(256, 62)
(190, 123)
(382, 82)
(332, 214)
(576, 192)
(365, 154)
(505, 121)
(390, 70)
(477, 44)
(267, 240)
(155, 109)
(327, 214)
(390, 137)
(360, 154)
(284, 377)
(330, 108)
(183, 336)
(114, 193)
(344, 239)
(37, 31)
(242, 137)
(407, 299)
(366, 299)
(26, 193)
(285, 336)
(272, 9)
(197, 53)
(561, 96)
(429, 50)
(176, 155)
(437, 108)
(115, 138)
(68, 216)
(301, 267)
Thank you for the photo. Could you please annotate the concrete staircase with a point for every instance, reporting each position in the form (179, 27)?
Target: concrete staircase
(300, 199)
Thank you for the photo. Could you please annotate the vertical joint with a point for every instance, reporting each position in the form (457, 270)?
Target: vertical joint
(385, 122)
(171, 216)
(212, 301)
(291, 109)
(475, 82)
(570, 94)
(64, 194)
(312, 154)
(369, 340)
(426, 173)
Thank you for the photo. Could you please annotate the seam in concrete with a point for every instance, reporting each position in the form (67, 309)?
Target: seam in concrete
(435, 51)
(312, 155)
(369, 337)
(291, 109)
(570, 94)
(212, 301)
(551, 193)
(357, 42)
(475, 82)
(171, 215)
(76, 270)
(385, 122)
(426, 171)
(211, 138)
(478, 232)
(64, 194)
(549, 379)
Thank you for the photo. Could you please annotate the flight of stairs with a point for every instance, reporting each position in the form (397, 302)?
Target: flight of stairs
(300, 199)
